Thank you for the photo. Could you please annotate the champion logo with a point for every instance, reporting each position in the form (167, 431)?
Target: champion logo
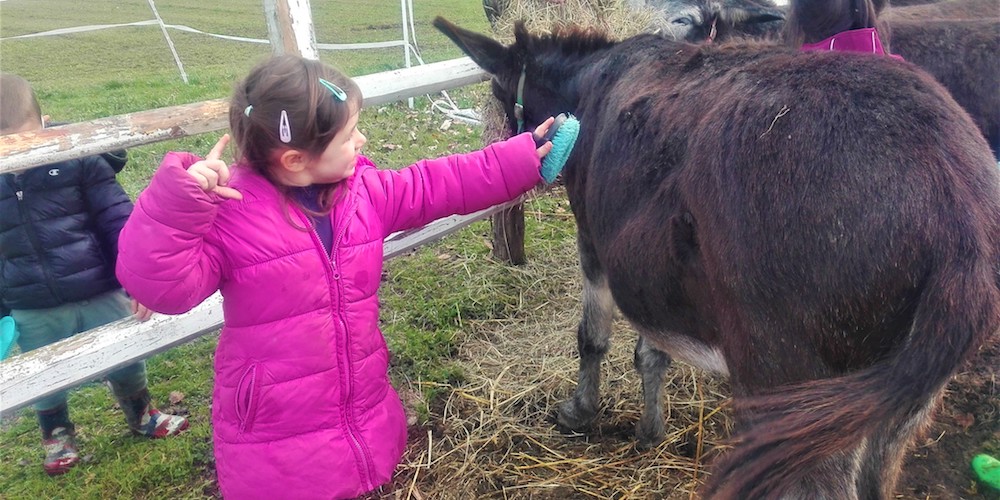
(54, 172)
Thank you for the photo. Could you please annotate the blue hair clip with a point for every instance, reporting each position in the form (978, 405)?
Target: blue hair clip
(335, 90)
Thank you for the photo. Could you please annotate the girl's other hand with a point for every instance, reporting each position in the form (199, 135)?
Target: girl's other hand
(213, 174)
(141, 312)
(543, 146)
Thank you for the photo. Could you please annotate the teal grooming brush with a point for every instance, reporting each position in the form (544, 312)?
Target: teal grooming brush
(563, 134)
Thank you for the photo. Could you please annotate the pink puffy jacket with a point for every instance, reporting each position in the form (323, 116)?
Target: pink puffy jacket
(302, 405)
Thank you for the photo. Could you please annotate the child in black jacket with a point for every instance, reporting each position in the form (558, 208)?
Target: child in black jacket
(59, 226)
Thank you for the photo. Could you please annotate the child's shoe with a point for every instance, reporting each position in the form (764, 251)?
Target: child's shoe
(58, 439)
(154, 424)
(144, 420)
(60, 451)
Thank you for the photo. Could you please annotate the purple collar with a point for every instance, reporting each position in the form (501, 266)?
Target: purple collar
(863, 40)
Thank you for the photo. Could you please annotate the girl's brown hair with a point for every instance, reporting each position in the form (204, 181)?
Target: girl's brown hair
(315, 113)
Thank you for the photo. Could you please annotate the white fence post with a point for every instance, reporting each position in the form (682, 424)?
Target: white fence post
(290, 27)
(406, 39)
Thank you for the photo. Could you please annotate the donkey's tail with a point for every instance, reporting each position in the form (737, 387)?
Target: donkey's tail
(795, 429)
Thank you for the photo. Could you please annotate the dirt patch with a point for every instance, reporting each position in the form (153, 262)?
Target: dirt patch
(495, 438)
(967, 423)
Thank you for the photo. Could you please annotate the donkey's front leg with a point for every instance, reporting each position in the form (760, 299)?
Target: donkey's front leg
(651, 365)
(593, 339)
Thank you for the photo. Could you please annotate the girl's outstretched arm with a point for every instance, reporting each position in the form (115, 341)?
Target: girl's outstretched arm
(455, 184)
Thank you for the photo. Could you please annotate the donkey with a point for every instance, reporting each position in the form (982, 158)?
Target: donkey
(960, 54)
(696, 20)
(822, 227)
(810, 21)
(907, 3)
(952, 9)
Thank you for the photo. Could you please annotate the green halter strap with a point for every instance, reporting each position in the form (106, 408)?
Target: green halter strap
(519, 102)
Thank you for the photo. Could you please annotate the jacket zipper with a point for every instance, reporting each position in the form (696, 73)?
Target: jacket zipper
(33, 237)
(245, 398)
(347, 415)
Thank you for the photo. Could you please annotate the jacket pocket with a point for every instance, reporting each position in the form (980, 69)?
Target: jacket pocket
(246, 398)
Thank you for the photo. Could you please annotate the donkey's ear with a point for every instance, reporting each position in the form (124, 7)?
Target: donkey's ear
(486, 52)
(522, 38)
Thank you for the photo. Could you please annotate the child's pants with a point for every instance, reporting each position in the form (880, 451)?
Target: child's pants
(41, 327)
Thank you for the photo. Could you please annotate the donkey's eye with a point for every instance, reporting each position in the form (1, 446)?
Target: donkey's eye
(682, 21)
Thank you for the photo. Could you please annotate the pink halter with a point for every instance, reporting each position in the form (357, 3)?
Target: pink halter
(863, 40)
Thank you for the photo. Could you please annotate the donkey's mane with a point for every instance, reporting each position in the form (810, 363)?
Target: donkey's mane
(567, 40)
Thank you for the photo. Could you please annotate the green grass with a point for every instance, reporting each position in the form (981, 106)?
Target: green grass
(428, 297)
(117, 464)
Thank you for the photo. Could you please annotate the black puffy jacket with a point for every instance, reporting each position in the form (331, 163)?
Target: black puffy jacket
(59, 226)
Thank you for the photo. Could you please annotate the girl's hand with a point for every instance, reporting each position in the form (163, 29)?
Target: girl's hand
(543, 146)
(212, 173)
(141, 312)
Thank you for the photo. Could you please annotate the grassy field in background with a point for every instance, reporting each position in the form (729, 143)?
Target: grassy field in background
(426, 296)
(122, 70)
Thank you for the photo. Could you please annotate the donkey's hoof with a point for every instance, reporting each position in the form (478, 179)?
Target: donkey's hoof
(573, 416)
(649, 434)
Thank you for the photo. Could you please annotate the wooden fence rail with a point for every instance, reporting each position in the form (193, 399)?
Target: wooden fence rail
(31, 149)
(28, 377)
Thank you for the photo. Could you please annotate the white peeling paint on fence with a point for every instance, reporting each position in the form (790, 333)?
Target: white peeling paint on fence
(290, 27)
(302, 26)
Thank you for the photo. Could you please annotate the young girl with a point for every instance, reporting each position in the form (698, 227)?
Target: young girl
(292, 236)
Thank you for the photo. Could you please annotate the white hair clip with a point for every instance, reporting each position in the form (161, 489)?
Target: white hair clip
(284, 131)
